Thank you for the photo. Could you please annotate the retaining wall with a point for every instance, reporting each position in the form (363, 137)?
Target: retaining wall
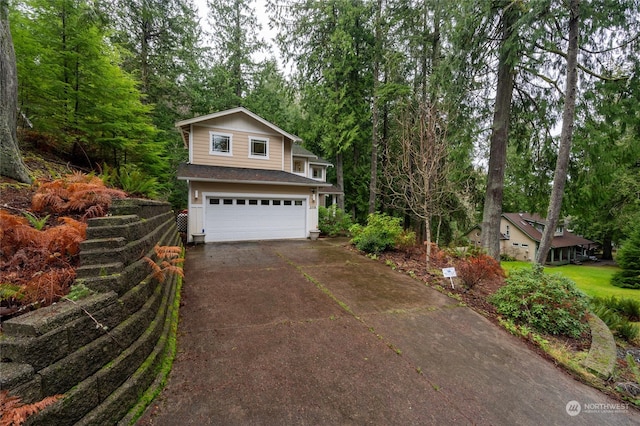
(102, 352)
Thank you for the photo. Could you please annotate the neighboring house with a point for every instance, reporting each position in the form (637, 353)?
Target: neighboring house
(521, 234)
(249, 179)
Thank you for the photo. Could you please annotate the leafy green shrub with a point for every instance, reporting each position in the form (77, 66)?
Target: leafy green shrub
(380, 233)
(333, 221)
(628, 259)
(549, 303)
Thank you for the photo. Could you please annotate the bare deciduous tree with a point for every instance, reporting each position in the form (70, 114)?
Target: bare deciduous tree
(417, 174)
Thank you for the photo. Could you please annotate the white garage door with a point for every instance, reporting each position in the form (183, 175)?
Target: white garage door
(237, 218)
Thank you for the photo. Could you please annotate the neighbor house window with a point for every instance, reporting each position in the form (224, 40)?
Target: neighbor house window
(259, 147)
(220, 144)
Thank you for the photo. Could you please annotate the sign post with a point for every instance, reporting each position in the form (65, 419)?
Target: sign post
(449, 273)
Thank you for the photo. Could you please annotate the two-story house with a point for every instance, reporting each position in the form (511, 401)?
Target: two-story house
(248, 179)
(521, 234)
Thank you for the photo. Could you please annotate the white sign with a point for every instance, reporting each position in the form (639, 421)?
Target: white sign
(449, 272)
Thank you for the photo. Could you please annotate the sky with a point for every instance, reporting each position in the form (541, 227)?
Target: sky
(263, 19)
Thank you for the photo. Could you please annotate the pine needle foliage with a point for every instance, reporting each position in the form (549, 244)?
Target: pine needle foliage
(15, 413)
(76, 193)
(168, 262)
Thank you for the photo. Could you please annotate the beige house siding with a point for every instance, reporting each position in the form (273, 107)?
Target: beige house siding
(201, 141)
(514, 245)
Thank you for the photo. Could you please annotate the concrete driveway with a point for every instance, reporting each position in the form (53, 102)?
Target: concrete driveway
(308, 332)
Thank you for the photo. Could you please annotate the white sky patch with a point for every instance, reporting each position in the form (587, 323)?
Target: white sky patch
(266, 34)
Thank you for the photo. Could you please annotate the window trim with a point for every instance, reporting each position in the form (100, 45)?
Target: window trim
(304, 166)
(312, 168)
(264, 140)
(221, 153)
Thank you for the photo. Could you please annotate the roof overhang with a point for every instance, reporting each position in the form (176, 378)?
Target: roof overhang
(185, 124)
(219, 174)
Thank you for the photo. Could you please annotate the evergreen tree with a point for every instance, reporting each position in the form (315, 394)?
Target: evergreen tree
(628, 259)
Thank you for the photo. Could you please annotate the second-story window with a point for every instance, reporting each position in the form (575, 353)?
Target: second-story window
(298, 166)
(220, 144)
(259, 148)
(316, 172)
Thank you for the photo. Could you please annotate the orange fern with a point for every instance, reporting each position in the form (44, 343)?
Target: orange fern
(15, 413)
(75, 193)
(169, 262)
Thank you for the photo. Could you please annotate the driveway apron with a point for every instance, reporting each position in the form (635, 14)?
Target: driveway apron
(309, 332)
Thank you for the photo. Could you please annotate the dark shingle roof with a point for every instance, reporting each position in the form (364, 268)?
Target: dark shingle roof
(525, 222)
(300, 151)
(203, 173)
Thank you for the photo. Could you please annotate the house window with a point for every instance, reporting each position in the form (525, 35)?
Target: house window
(507, 231)
(241, 202)
(259, 148)
(524, 245)
(287, 202)
(264, 202)
(298, 166)
(220, 144)
(276, 202)
(298, 202)
(214, 201)
(316, 172)
(516, 244)
(227, 201)
(253, 202)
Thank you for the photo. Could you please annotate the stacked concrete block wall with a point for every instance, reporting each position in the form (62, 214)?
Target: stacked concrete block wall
(102, 352)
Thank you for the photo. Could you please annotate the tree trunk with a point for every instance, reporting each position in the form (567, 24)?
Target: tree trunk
(11, 164)
(499, 136)
(373, 181)
(340, 179)
(607, 247)
(566, 135)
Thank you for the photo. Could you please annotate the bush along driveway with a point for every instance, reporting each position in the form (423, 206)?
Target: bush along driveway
(302, 332)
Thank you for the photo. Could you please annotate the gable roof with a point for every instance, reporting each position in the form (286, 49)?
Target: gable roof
(526, 223)
(300, 151)
(202, 173)
(184, 124)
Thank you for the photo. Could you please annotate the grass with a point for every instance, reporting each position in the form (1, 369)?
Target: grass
(593, 280)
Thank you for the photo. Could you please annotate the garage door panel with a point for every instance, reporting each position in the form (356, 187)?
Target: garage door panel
(241, 218)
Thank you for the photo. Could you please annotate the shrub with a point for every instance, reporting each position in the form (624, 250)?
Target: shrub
(618, 314)
(380, 233)
(628, 259)
(549, 303)
(478, 268)
(333, 221)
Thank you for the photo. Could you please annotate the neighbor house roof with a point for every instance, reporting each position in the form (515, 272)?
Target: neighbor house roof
(526, 223)
(202, 173)
(184, 124)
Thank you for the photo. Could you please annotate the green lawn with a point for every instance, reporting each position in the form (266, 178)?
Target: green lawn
(593, 280)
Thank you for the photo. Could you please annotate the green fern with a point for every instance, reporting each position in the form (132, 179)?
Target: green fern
(37, 223)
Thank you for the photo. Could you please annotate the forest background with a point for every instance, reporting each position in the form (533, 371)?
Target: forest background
(406, 98)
